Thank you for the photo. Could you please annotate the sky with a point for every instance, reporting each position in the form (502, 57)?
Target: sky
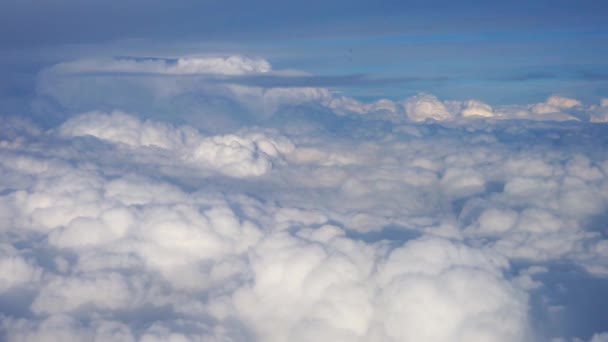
(303, 171)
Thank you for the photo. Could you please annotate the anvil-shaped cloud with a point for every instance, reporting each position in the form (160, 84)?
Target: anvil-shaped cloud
(225, 92)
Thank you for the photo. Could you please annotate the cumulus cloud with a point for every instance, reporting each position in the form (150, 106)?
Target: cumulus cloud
(424, 106)
(413, 220)
(221, 94)
(476, 108)
(119, 127)
(238, 155)
(563, 102)
(314, 258)
(335, 300)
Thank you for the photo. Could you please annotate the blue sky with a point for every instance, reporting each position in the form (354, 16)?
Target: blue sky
(498, 52)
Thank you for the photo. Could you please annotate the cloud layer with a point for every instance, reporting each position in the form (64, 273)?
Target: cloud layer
(233, 91)
(323, 218)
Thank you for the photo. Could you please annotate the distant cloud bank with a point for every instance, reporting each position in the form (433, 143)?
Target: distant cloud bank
(194, 86)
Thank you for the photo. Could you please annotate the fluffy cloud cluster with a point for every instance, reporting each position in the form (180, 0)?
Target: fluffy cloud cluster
(215, 88)
(423, 107)
(238, 155)
(317, 218)
(233, 91)
(117, 228)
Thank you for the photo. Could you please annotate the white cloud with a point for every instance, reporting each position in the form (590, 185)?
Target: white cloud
(599, 337)
(231, 65)
(118, 227)
(240, 156)
(301, 261)
(495, 222)
(424, 106)
(556, 108)
(462, 182)
(210, 87)
(119, 127)
(17, 271)
(102, 291)
(477, 108)
(54, 328)
(237, 155)
(563, 102)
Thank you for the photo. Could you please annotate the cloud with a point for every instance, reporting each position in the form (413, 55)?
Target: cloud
(19, 271)
(476, 108)
(563, 102)
(118, 127)
(221, 94)
(422, 107)
(212, 91)
(373, 223)
(600, 114)
(232, 65)
(430, 272)
(333, 299)
(599, 337)
(249, 154)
